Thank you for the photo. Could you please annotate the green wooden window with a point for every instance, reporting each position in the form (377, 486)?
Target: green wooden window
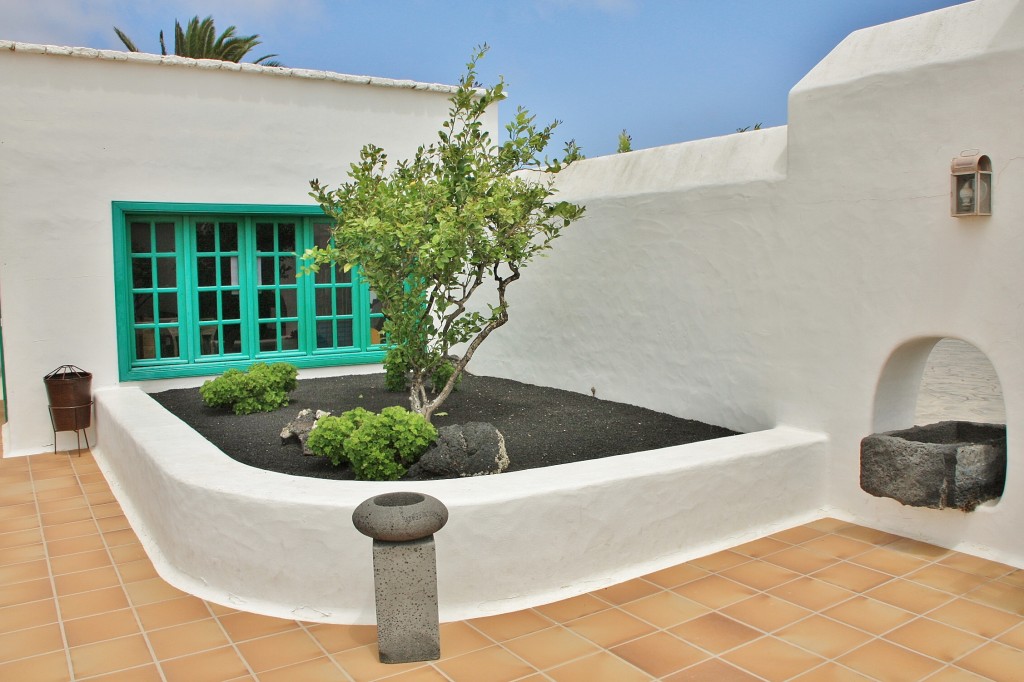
(201, 288)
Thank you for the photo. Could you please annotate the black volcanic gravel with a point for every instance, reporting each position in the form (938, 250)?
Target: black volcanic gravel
(542, 426)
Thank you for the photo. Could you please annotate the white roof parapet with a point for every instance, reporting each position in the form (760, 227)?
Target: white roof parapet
(217, 65)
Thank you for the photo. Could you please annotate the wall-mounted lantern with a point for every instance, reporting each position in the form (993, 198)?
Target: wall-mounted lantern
(971, 186)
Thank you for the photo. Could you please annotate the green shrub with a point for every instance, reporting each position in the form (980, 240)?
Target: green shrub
(380, 447)
(327, 439)
(263, 388)
(441, 376)
(396, 373)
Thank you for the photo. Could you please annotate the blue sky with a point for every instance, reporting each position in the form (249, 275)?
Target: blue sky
(666, 70)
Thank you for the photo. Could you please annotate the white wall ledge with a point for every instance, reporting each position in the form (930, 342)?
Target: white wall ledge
(285, 546)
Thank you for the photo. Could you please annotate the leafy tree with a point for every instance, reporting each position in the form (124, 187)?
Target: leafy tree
(625, 142)
(429, 233)
(199, 40)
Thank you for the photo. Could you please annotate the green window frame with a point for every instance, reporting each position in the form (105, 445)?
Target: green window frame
(201, 288)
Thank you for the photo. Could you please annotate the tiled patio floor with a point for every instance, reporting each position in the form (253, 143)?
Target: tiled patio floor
(824, 601)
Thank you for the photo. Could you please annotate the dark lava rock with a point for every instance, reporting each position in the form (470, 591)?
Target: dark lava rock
(473, 449)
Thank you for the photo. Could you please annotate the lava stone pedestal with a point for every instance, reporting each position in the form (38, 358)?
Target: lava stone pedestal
(402, 526)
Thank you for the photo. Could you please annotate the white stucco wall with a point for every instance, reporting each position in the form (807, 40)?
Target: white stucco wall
(82, 128)
(767, 278)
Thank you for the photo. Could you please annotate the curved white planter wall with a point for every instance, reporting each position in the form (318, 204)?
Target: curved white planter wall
(285, 546)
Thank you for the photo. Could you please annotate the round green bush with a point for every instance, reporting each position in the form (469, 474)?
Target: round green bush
(327, 439)
(263, 388)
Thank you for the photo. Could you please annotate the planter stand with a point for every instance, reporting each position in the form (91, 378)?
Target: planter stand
(59, 416)
(68, 389)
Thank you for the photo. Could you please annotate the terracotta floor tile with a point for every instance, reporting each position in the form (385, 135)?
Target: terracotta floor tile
(241, 626)
(623, 593)
(852, 577)
(209, 666)
(363, 664)
(102, 626)
(910, 596)
(979, 619)
(675, 575)
(28, 615)
(15, 511)
(51, 667)
(999, 595)
(922, 550)
(800, 560)
(277, 651)
(135, 571)
(102, 511)
(954, 674)
(335, 638)
(716, 633)
(120, 537)
(110, 524)
(946, 579)
(976, 565)
(72, 563)
(24, 592)
(324, 670)
(934, 639)
(67, 516)
(1015, 578)
(552, 647)
(27, 570)
(772, 659)
(572, 608)
(66, 493)
(714, 591)
(995, 661)
(31, 536)
(600, 667)
(823, 636)
(868, 535)
(610, 628)
(870, 615)
(796, 535)
(72, 529)
(84, 543)
(720, 560)
(30, 642)
(457, 638)
(22, 554)
(123, 554)
(659, 654)
(144, 673)
(827, 524)
(189, 638)
(759, 575)
(172, 612)
(510, 625)
(430, 674)
(831, 672)
(220, 609)
(109, 655)
(151, 591)
(712, 670)
(766, 612)
(761, 547)
(837, 546)
(888, 561)
(50, 506)
(889, 663)
(91, 603)
(21, 523)
(86, 581)
(1014, 637)
(665, 609)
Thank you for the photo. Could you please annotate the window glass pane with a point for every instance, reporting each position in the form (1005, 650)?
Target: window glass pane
(207, 305)
(143, 308)
(344, 333)
(165, 237)
(264, 236)
(169, 307)
(288, 306)
(142, 273)
(267, 271)
(324, 337)
(166, 272)
(375, 305)
(140, 238)
(321, 234)
(169, 343)
(343, 295)
(229, 236)
(323, 302)
(209, 344)
(206, 271)
(205, 237)
(286, 237)
(145, 349)
(289, 336)
(228, 271)
(267, 305)
(287, 270)
(229, 305)
(323, 275)
(231, 338)
(268, 336)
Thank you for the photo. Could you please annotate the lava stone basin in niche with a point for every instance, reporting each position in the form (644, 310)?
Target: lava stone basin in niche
(948, 464)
